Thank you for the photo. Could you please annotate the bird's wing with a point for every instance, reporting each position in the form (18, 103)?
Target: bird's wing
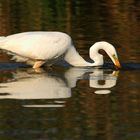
(38, 45)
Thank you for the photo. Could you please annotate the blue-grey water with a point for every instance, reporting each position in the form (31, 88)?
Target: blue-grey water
(67, 103)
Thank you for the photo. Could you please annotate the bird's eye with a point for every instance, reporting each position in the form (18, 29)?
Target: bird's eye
(114, 56)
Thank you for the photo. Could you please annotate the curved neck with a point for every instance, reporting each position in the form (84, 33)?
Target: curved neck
(95, 55)
(74, 58)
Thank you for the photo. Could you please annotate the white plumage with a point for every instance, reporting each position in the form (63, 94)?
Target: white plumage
(43, 46)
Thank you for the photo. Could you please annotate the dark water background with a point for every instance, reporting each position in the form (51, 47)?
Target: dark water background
(72, 103)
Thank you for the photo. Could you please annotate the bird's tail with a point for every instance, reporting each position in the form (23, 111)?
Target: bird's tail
(2, 38)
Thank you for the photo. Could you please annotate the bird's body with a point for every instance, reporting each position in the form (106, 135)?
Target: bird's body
(43, 46)
(39, 45)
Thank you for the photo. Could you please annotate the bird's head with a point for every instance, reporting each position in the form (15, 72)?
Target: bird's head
(115, 60)
(108, 48)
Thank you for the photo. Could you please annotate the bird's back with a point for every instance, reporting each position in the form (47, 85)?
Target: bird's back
(38, 45)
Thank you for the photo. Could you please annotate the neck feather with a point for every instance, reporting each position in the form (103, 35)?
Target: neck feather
(94, 54)
(74, 58)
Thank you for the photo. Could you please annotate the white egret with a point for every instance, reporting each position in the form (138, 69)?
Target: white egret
(39, 47)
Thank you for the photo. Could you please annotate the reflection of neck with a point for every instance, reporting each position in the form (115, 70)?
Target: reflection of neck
(73, 74)
(97, 75)
(109, 81)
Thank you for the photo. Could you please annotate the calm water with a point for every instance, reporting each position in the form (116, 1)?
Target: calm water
(66, 103)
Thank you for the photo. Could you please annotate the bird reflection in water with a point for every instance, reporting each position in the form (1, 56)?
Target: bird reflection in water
(25, 85)
(103, 82)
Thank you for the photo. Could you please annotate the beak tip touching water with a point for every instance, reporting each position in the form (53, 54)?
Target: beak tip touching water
(117, 64)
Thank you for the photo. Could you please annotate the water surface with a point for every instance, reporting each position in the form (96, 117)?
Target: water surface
(63, 102)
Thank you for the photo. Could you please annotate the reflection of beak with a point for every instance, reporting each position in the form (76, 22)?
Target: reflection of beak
(115, 73)
(116, 61)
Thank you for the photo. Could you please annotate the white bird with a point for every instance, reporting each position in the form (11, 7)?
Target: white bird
(39, 47)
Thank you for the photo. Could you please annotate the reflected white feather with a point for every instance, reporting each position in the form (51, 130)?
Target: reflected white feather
(44, 86)
(38, 86)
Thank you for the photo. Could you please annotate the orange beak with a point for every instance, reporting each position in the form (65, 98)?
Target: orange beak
(116, 61)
